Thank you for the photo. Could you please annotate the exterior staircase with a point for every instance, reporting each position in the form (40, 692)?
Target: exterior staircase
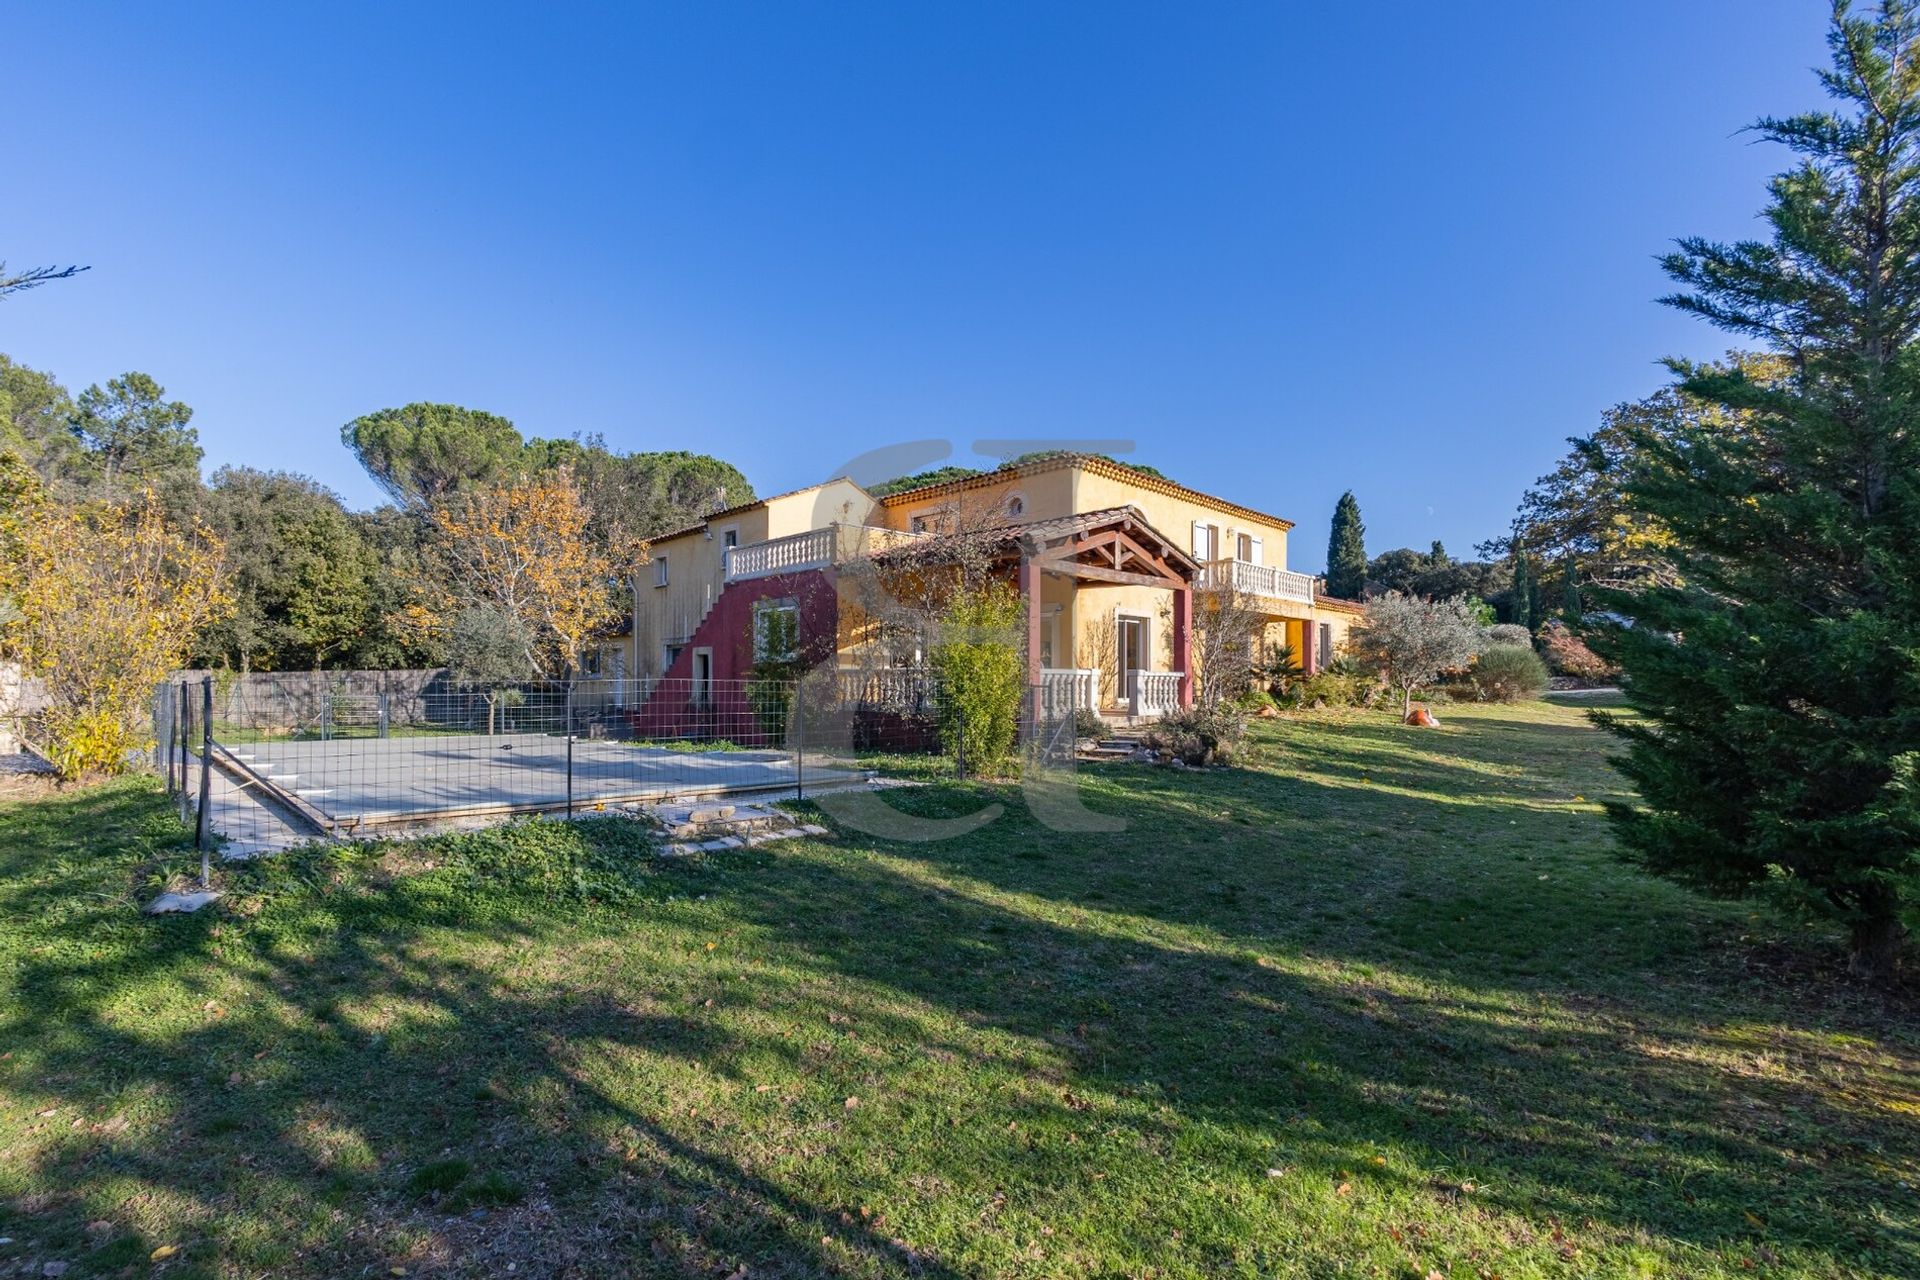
(1120, 746)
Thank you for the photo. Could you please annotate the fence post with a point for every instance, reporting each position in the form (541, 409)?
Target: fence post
(165, 745)
(183, 722)
(386, 711)
(202, 832)
(799, 740)
(568, 726)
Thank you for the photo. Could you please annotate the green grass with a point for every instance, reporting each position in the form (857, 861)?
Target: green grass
(1381, 1004)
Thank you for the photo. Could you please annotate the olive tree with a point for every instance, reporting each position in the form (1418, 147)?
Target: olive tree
(1413, 642)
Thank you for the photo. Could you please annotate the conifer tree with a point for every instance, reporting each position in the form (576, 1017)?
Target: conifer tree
(1347, 550)
(1779, 744)
(1521, 594)
(1570, 593)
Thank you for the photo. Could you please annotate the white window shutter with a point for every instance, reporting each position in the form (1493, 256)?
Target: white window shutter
(1259, 556)
(1199, 543)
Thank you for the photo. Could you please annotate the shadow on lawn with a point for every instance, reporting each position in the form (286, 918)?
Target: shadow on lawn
(1232, 965)
(1617, 1066)
(1560, 1105)
(269, 1105)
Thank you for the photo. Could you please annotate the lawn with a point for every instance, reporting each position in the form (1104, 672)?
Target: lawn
(1380, 1004)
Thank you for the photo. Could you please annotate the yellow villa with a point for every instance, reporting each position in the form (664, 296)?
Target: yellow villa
(1110, 559)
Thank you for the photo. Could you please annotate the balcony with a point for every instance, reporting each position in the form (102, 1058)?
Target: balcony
(1262, 580)
(813, 549)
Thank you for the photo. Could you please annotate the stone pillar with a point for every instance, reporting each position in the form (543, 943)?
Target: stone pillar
(1183, 640)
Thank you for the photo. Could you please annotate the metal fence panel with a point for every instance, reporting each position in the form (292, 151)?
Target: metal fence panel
(266, 762)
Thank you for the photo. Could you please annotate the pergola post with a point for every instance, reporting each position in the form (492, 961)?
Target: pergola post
(1308, 658)
(1183, 640)
(1030, 592)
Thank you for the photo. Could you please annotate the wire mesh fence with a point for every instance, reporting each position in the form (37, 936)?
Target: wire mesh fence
(266, 764)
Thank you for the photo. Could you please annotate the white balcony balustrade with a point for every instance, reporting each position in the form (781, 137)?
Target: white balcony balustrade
(813, 549)
(1262, 580)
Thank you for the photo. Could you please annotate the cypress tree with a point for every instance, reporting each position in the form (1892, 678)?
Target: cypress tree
(1347, 550)
(1520, 595)
(1570, 593)
(1780, 745)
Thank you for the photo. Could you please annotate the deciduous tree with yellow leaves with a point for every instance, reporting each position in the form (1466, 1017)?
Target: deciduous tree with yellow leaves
(102, 601)
(520, 548)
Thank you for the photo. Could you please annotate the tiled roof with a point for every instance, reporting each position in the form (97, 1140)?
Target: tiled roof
(1093, 462)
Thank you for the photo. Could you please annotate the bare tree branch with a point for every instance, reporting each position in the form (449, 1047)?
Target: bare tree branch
(34, 277)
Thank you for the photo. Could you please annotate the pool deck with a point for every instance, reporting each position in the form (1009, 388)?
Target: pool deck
(347, 784)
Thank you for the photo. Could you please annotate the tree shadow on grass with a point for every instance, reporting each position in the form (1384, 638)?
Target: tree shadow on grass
(1627, 1108)
(959, 1046)
(370, 1082)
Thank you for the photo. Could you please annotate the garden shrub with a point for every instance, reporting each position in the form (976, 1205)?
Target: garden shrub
(1338, 687)
(1200, 735)
(1254, 701)
(981, 668)
(1567, 654)
(1088, 724)
(1503, 673)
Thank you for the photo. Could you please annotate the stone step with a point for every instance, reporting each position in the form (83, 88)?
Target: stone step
(707, 824)
(675, 815)
(720, 844)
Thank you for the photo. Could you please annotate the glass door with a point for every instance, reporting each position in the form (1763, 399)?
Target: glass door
(1133, 652)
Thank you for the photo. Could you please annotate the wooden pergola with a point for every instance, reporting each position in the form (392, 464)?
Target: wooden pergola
(1114, 546)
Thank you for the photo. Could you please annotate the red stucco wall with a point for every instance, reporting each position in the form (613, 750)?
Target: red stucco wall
(728, 631)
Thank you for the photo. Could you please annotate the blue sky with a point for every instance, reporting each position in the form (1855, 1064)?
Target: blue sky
(1284, 249)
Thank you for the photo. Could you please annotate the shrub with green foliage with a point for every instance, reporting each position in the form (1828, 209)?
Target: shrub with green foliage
(776, 672)
(1254, 701)
(1087, 724)
(1200, 735)
(1504, 673)
(977, 657)
(1343, 682)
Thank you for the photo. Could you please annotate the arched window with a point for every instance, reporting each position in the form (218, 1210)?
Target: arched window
(1016, 505)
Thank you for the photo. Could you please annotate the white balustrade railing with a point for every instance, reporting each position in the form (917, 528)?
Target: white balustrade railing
(1154, 693)
(1075, 687)
(906, 688)
(1259, 580)
(813, 549)
(810, 550)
